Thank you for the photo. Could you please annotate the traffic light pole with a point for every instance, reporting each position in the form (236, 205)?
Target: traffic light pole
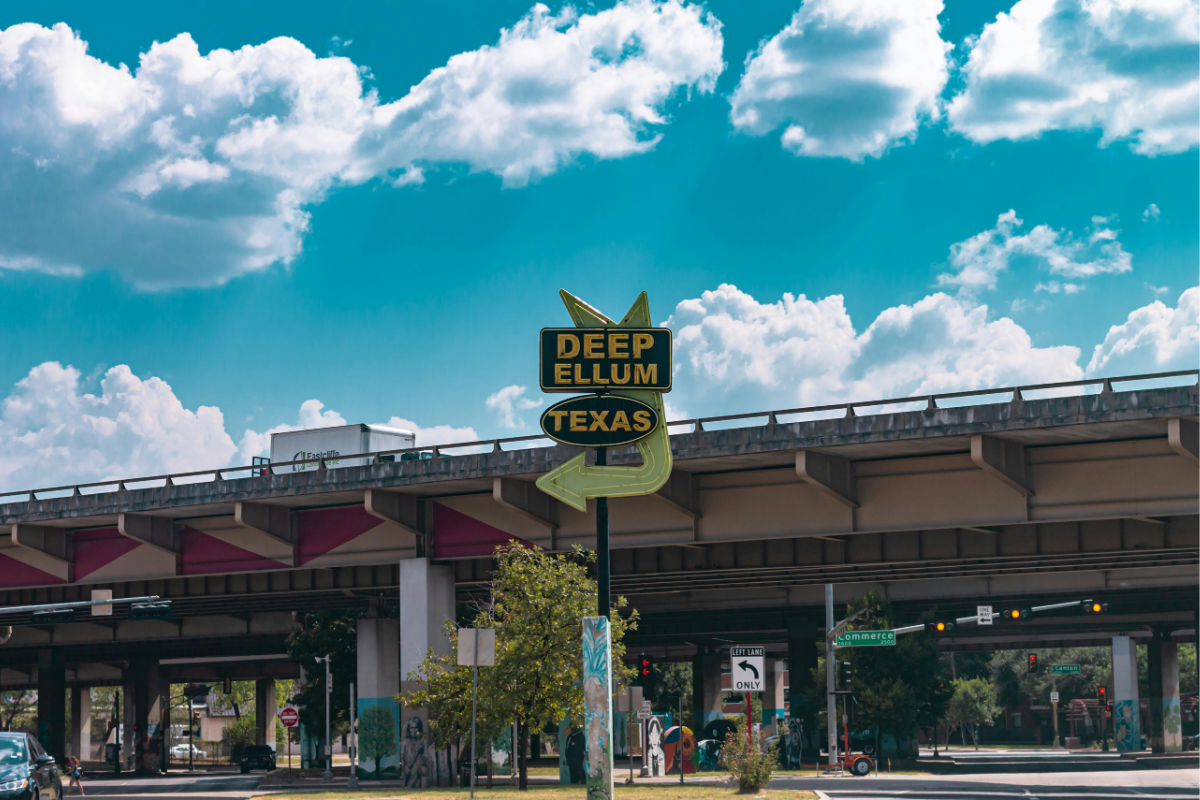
(830, 665)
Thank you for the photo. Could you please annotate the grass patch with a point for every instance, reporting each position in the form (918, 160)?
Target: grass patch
(659, 791)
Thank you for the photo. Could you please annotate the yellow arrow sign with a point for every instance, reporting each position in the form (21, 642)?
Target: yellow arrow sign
(574, 482)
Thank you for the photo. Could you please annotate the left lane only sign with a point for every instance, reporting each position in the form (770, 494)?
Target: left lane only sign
(746, 669)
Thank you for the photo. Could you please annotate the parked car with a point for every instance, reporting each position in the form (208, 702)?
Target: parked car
(258, 756)
(180, 751)
(27, 772)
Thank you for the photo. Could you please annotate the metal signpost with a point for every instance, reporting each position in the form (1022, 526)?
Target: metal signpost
(289, 717)
(476, 648)
(328, 776)
(1054, 705)
(623, 368)
(746, 668)
(353, 782)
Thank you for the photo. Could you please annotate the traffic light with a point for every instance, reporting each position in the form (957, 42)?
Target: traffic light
(159, 609)
(228, 685)
(941, 626)
(647, 673)
(1016, 614)
(195, 729)
(53, 615)
(845, 674)
(1093, 607)
(1033, 663)
(1102, 694)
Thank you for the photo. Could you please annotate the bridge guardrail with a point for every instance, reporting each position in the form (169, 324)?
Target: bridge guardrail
(435, 451)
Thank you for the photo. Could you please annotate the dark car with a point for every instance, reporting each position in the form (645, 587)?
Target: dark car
(27, 772)
(258, 756)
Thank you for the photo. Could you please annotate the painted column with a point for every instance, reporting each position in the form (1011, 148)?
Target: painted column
(773, 698)
(377, 684)
(426, 603)
(597, 707)
(707, 699)
(81, 723)
(1127, 729)
(147, 712)
(52, 702)
(1165, 718)
(801, 661)
(264, 712)
(127, 718)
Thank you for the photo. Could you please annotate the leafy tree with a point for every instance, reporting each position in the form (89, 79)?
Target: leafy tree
(329, 631)
(1187, 668)
(239, 735)
(537, 605)
(1010, 673)
(749, 763)
(972, 704)
(674, 681)
(15, 708)
(901, 689)
(377, 735)
(239, 699)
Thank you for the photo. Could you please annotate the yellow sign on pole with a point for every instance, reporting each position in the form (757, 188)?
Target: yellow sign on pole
(574, 482)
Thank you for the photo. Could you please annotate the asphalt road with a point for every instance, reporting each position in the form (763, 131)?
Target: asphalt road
(1165, 784)
(218, 786)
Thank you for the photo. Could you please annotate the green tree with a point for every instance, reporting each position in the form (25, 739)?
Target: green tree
(1187, 668)
(674, 681)
(377, 735)
(16, 707)
(748, 760)
(902, 689)
(972, 704)
(239, 735)
(329, 631)
(239, 699)
(1010, 674)
(537, 605)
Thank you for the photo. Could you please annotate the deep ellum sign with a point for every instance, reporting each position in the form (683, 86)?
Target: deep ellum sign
(604, 359)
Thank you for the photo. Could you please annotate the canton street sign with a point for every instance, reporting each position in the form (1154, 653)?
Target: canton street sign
(746, 668)
(604, 421)
(586, 359)
(1064, 669)
(289, 717)
(983, 615)
(866, 639)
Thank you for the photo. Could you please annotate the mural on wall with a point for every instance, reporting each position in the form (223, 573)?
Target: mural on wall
(502, 748)
(414, 755)
(679, 747)
(1127, 725)
(656, 762)
(793, 744)
(378, 750)
(597, 707)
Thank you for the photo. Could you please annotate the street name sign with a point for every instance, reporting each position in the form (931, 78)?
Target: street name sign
(983, 615)
(1054, 698)
(746, 668)
(599, 421)
(1065, 669)
(866, 639)
(587, 359)
(289, 717)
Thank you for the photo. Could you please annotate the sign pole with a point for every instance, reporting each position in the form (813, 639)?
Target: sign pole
(830, 699)
(749, 725)
(474, 705)
(603, 569)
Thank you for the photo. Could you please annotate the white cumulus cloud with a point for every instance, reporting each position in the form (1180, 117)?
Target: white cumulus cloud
(1154, 338)
(1128, 67)
(509, 403)
(194, 168)
(978, 261)
(732, 351)
(848, 78)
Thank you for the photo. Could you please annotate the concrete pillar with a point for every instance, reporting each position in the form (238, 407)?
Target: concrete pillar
(52, 702)
(264, 711)
(1127, 728)
(1165, 715)
(81, 723)
(127, 719)
(707, 698)
(377, 684)
(772, 696)
(426, 602)
(147, 714)
(802, 660)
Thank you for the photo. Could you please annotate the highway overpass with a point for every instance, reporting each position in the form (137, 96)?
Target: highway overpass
(1042, 493)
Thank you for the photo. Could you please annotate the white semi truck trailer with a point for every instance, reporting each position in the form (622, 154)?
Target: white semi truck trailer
(335, 445)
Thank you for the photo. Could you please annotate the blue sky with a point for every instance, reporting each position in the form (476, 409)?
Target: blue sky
(858, 154)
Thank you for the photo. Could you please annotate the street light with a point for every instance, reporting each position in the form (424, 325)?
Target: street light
(328, 776)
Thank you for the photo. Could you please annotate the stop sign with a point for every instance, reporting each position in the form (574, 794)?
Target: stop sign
(289, 717)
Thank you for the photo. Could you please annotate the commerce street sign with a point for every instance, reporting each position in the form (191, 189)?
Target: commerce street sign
(1064, 669)
(605, 359)
(599, 421)
(866, 639)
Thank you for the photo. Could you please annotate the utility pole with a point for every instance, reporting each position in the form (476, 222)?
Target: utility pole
(830, 698)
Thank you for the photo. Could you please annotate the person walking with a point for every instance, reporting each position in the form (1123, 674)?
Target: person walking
(76, 770)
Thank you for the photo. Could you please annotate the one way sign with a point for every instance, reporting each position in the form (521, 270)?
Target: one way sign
(746, 665)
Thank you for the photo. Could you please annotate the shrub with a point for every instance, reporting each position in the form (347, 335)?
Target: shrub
(239, 735)
(750, 767)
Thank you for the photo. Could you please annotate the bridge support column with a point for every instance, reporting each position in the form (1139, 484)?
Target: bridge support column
(81, 723)
(426, 602)
(1127, 727)
(802, 660)
(1165, 716)
(147, 711)
(377, 684)
(707, 700)
(773, 701)
(264, 712)
(52, 702)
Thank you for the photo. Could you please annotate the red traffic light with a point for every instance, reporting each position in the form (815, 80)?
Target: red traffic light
(647, 665)
(1033, 662)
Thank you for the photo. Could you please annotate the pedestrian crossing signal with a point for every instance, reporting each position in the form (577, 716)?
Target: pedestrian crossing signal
(646, 673)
